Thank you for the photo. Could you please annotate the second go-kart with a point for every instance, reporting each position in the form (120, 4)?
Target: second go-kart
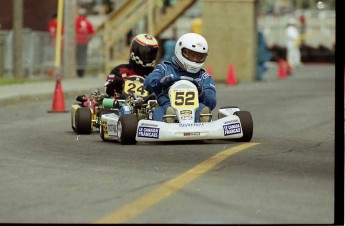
(135, 104)
(86, 114)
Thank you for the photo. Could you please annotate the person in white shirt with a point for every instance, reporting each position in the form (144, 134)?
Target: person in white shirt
(293, 44)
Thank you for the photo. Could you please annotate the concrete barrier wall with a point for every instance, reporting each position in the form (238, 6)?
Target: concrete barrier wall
(230, 29)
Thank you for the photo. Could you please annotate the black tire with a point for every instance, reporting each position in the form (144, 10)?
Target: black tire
(72, 118)
(83, 119)
(72, 124)
(127, 129)
(101, 131)
(247, 125)
(229, 107)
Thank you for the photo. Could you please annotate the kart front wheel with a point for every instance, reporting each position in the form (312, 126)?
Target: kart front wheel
(127, 129)
(83, 119)
(72, 123)
(247, 125)
(101, 131)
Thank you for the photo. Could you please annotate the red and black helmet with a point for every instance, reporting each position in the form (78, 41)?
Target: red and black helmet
(143, 51)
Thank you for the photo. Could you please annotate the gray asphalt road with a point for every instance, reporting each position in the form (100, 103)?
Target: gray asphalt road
(51, 175)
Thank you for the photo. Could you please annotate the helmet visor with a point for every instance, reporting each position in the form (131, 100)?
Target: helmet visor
(148, 54)
(194, 56)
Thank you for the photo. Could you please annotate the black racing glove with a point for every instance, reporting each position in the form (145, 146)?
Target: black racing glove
(168, 80)
(199, 88)
(116, 83)
(118, 80)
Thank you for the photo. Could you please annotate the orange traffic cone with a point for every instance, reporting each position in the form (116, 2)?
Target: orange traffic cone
(281, 69)
(231, 77)
(58, 104)
(210, 72)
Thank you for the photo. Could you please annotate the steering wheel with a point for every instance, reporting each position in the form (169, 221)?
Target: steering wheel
(166, 90)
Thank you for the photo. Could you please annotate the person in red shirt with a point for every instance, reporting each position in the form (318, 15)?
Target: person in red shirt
(84, 31)
(52, 28)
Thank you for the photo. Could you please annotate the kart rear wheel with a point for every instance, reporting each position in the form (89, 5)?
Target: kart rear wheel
(247, 125)
(127, 129)
(74, 129)
(83, 119)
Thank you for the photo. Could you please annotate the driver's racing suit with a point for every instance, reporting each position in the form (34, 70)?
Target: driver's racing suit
(152, 84)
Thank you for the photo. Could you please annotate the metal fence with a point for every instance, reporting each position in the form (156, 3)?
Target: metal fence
(39, 54)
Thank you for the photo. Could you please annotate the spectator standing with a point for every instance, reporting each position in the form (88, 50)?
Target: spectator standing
(302, 20)
(84, 32)
(264, 55)
(52, 28)
(293, 44)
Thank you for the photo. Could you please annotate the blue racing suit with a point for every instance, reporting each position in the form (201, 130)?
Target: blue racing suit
(152, 84)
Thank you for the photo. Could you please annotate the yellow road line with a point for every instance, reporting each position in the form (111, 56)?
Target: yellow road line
(143, 203)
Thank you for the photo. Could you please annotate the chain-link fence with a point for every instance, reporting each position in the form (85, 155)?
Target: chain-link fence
(39, 54)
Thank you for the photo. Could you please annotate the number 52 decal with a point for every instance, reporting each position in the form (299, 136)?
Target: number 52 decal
(184, 98)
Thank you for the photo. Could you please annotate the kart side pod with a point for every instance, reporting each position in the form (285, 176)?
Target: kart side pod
(109, 103)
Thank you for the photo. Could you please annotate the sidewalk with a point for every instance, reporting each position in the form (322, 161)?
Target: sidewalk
(45, 90)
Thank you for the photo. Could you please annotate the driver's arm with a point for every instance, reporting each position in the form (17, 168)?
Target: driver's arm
(210, 97)
(113, 81)
(152, 81)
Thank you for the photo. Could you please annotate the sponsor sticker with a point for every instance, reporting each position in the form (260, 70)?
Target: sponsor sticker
(187, 125)
(233, 128)
(191, 134)
(186, 117)
(147, 124)
(148, 132)
(185, 112)
(112, 128)
(230, 121)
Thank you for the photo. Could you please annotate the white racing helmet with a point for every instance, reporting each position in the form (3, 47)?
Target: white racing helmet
(191, 51)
